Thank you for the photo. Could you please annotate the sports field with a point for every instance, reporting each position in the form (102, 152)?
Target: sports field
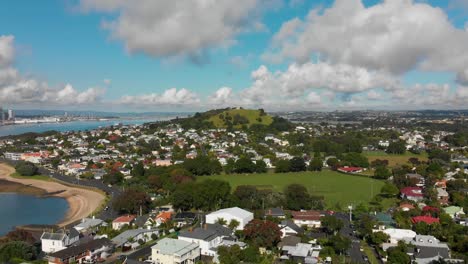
(335, 187)
(394, 159)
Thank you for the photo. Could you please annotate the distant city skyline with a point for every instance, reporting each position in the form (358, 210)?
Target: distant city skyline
(279, 55)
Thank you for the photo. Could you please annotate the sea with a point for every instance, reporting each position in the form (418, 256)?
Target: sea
(10, 130)
(22, 209)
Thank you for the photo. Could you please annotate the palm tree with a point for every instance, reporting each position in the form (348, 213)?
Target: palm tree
(221, 221)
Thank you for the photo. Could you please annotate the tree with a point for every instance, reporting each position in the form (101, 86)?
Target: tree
(389, 190)
(331, 224)
(340, 243)
(396, 147)
(333, 162)
(297, 197)
(16, 250)
(233, 224)
(356, 159)
(25, 168)
(377, 238)
(20, 235)
(203, 165)
(382, 172)
(260, 166)
(247, 196)
(262, 233)
(297, 164)
(316, 164)
(244, 165)
(113, 177)
(138, 170)
(131, 201)
(282, 166)
(398, 254)
(221, 221)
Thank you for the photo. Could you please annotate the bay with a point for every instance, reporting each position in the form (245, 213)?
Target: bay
(21, 209)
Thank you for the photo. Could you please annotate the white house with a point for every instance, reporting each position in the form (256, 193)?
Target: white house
(228, 214)
(172, 251)
(53, 242)
(209, 237)
(289, 228)
(396, 234)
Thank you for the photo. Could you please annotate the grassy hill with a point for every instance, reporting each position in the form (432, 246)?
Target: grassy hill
(239, 117)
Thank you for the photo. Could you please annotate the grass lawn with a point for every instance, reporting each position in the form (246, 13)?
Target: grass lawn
(335, 187)
(34, 177)
(394, 160)
(251, 115)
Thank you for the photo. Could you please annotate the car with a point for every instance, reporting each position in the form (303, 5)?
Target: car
(106, 208)
(361, 249)
(121, 257)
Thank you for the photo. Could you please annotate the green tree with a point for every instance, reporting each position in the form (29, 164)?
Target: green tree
(389, 190)
(316, 164)
(297, 197)
(297, 164)
(131, 201)
(331, 224)
(25, 168)
(16, 250)
(113, 177)
(382, 172)
(138, 170)
(396, 147)
(282, 166)
(244, 165)
(260, 166)
(233, 224)
(378, 238)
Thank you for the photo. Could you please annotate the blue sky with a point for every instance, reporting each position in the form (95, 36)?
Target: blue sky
(76, 60)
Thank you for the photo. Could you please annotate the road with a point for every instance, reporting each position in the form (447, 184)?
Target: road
(355, 254)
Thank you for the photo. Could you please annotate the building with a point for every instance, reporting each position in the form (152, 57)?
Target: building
(90, 252)
(121, 221)
(174, 251)
(416, 179)
(53, 242)
(426, 219)
(442, 196)
(412, 193)
(209, 237)
(235, 213)
(11, 114)
(307, 218)
(131, 238)
(347, 169)
(88, 225)
(454, 211)
(275, 212)
(396, 234)
(289, 228)
(428, 249)
(300, 253)
(12, 155)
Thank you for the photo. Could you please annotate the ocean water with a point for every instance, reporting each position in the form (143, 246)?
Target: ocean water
(21, 209)
(71, 126)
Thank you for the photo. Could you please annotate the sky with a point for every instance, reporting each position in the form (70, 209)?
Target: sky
(191, 55)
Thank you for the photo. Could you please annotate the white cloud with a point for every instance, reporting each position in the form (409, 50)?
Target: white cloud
(17, 89)
(222, 96)
(170, 97)
(164, 28)
(394, 36)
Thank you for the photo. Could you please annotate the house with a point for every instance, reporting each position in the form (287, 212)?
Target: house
(385, 219)
(396, 234)
(123, 220)
(88, 225)
(412, 193)
(416, 179)
(94, 250)
(209, 237)
(307, 218)
(405, 207)
(289, 228)
(228, 214)
(144, 221)
(174, 251)
(300, 253)
(132, 238)
(428, 249)
(454, 211)
(56, 241)
(163, 217)
(185, 218)
(347, 169)
(442, 196)
(275, 212)
(426, 219)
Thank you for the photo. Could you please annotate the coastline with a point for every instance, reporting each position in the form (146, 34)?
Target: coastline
(82, 202)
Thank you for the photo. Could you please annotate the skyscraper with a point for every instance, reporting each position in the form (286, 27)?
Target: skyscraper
(11, 114)
(2, 115)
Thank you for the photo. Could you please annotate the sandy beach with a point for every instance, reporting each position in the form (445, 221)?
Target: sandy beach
(82, 202)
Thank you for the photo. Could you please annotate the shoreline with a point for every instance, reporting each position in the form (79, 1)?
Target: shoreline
(81, 202)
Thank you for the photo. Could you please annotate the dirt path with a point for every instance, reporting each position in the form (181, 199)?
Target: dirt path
(82, 202)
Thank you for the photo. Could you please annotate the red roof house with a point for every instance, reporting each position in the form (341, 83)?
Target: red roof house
(412, 193)
(120, 221)
(426, 219)
(347, 169)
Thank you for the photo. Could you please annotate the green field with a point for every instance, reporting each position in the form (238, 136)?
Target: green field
(251, 115)
(34, 177)
(335, 187)
(394, 160)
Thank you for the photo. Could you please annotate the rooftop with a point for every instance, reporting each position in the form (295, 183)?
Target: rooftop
(124, 219)
(170, 246)
(235, 211)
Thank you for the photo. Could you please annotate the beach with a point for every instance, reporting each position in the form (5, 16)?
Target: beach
(82, 202)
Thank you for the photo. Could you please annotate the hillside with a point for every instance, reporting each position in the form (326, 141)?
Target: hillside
(239, 117)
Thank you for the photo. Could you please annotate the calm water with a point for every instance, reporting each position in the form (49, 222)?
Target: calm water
(20, 209)
(71, 126)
